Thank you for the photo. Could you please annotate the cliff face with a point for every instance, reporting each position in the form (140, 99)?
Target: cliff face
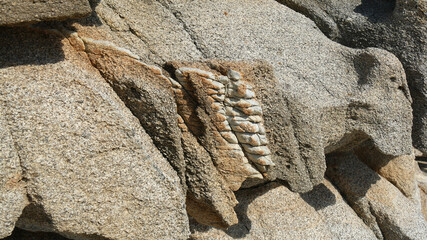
(210, 120)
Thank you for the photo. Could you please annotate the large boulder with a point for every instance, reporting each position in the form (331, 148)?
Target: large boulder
(91, 171)
(398, 26)
(14, 12)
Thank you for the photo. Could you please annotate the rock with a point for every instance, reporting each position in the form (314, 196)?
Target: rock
(144, 90)
(378, 202)
(310, 78)
(397, 26)
(418, 153)
(150, 97)
(294, 137)
(91, 170)
(19, 234)
(210, 200)
(19, 12)
(421, 178)
(338, 216)
(220, 124)
(12, 185)
(123, 22)
(400, 171)
(311, 75)
(274, 212)
(85, 110)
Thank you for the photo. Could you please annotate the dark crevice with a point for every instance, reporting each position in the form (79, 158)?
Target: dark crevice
(422, 163)
(20, 234)
(376, 10)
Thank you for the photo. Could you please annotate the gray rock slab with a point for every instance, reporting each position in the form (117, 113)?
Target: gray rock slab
(397, 26)
(146, 28)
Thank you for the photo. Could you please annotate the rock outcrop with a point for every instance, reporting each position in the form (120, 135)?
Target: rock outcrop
(88, 166)
(208, 120)
(294, 137)
(311, 76)
(398, 26)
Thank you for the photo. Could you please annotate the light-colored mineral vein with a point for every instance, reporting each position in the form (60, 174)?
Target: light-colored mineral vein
(236, 114)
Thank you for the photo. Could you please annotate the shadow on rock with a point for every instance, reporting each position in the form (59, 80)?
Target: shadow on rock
(320, 197)
(23, 46)
(19, 234)
(349, 174)
(377, 10)
(92, 20)
(245, 198)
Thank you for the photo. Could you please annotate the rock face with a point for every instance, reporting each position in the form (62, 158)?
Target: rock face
(381, 205)
(308, 216)
(118, 125)
(209, 198)
(401, 171)
(291, 147)
(397, 26)
(311, 77)
(422, 184)
(90, 169)
(12, 188)
(22, 12)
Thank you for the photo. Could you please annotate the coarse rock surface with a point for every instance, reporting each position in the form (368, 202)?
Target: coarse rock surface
(124, 22)
(274, 212)
(335, 91)
(295, 136)
(118, 125)
(399, 26)
(379, 203)
(12, 187)
(90, 169)
(401, 171)
(149, 96)
(13, 12)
